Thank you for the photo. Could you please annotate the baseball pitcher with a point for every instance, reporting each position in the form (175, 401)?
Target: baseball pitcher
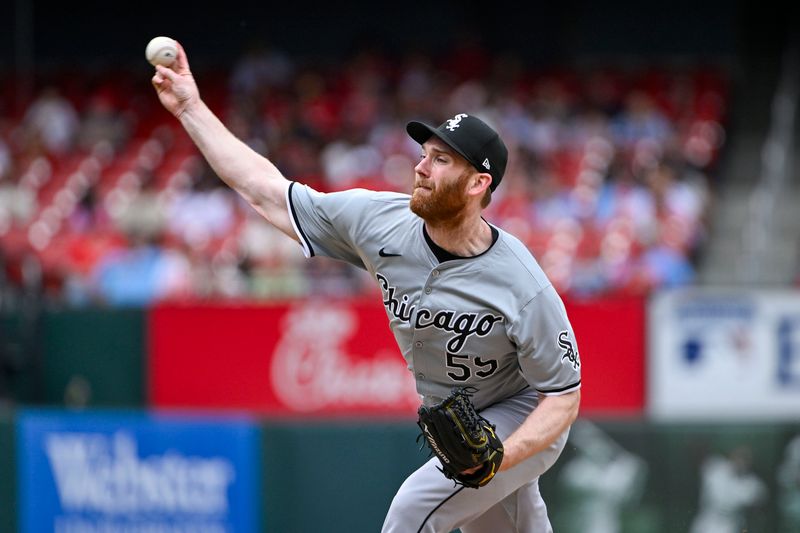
(479, 324)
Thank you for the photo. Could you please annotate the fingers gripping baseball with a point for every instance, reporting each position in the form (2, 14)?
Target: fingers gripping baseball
(175, 84)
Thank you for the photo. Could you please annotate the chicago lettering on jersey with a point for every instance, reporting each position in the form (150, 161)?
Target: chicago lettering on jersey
(398, 308)
(464, 325)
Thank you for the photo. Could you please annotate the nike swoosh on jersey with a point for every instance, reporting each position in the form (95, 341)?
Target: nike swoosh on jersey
(383, 253)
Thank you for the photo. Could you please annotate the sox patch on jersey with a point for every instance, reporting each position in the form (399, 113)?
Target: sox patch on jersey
(493, 321)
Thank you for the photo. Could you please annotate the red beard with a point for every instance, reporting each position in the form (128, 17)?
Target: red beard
(442, 204)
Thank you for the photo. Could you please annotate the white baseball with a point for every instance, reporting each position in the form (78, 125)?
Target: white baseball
(161, 51)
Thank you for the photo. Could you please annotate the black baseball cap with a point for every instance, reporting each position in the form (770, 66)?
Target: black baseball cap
(471, 137)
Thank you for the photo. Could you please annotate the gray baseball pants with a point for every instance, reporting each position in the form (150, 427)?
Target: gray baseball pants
(429, 502)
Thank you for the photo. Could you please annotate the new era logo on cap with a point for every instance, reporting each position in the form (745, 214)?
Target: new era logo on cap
(471, 137)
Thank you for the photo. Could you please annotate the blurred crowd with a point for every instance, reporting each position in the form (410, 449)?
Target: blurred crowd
(103, 198)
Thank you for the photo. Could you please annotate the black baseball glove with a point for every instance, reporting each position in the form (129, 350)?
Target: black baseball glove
(461, 439)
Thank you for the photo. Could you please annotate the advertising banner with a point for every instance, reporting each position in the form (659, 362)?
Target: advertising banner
(127, 473)
(725, 354)
(339, 358)
(611, 339)
(304, 358)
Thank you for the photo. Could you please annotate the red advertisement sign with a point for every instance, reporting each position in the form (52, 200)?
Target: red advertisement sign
(331, 358)
(305, 357)
(611, 337)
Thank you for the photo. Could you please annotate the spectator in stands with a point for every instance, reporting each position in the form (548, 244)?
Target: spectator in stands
(349, 160)
(662, 265)
(640, 119)
(17, 200)
(103, 123)
(270, 262)
(588, 149)
(680, 202)
(201, 214)
(141, 274)
(142, 209)
(52, 120)
(624, 195)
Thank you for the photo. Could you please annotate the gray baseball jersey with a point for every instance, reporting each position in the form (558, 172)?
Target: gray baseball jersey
(493, 322)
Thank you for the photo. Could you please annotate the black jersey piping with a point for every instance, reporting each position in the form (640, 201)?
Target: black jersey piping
(437, 507)
(562, 389)
(297, 222)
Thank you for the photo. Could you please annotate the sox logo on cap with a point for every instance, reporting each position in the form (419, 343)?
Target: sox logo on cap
(454, 122)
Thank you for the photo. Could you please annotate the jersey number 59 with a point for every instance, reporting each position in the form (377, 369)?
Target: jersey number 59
(464, 366)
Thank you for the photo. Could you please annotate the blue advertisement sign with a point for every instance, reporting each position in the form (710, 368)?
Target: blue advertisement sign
(115, 472)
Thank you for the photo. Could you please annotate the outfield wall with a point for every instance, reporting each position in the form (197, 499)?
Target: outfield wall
(340, 476)
(333, 461)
